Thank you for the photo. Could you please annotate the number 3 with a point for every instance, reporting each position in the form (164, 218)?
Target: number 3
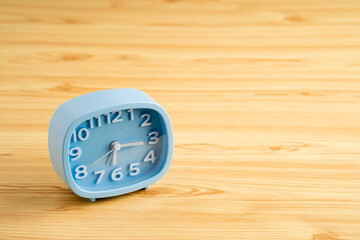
(154, 137)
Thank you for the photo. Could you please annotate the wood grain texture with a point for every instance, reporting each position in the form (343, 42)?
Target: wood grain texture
(264, 97)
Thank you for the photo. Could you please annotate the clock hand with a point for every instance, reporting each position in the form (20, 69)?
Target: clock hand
(104, 156)
(132, 144)
(109, 159)
(114, 157)
(116, 147)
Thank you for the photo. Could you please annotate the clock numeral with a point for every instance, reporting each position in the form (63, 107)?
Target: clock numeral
(74, 136)
(98, 120)
(75, 153)
(101, 174)
(146, 122)
(134, 169)
(116, 175)
(118, 117)
(91, 120)
(107, 115)
(131, 113)
(83, 134)
(81, 172)
(150, 157)
(154, 137)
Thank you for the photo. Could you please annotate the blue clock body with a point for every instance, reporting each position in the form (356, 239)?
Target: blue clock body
(110, 142)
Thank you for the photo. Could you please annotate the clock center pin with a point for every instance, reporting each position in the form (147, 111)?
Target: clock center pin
(115, 146)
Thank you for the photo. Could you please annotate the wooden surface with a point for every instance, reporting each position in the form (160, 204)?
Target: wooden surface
(264, 97)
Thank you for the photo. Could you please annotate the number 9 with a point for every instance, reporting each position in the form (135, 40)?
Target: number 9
(75, 153)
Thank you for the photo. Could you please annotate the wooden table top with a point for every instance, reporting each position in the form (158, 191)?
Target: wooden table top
(264, 97)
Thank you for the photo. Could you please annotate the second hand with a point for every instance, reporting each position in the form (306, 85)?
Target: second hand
(104, 156)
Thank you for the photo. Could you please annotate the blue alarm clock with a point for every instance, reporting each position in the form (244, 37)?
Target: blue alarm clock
(110, 142)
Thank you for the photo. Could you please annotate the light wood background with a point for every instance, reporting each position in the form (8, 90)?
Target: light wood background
(264, 97)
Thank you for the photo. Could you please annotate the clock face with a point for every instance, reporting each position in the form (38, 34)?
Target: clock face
(117, 149)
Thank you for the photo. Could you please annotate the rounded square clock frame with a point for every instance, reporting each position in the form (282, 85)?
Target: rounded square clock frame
(75, 111)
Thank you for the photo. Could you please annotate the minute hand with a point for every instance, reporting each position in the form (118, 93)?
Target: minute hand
(132, 144)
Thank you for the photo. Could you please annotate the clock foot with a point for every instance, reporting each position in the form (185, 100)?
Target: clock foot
(145, 188)
(92, 199)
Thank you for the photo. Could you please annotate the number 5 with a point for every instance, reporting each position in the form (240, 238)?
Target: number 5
(134, 169)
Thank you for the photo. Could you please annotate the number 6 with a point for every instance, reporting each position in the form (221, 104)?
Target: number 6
(116, 175)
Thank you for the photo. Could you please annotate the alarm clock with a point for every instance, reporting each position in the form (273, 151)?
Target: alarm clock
(110, 142)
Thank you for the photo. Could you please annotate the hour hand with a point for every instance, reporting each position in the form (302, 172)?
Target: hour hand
(116, 146)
